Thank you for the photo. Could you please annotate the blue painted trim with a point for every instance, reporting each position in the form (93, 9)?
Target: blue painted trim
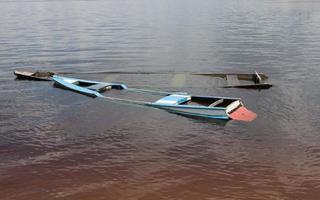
(174, 99)
(74, 87)
(62, 81)
(88, 81)
(124, 86)
(74, 79)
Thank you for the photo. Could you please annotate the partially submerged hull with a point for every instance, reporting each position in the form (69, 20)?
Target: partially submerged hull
(240, 80)
(195, 111)
(258, 86)
(240, 76)
(212, 107)
(68, 83)
(240, 114)
(37, 76)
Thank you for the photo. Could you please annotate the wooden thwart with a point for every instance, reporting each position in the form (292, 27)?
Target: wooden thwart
(216, 103)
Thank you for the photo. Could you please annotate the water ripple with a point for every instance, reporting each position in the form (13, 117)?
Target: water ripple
(55, 144)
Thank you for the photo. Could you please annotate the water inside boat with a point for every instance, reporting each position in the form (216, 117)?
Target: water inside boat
(209, 101)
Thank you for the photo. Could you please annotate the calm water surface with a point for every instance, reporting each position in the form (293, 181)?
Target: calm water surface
(55, 144)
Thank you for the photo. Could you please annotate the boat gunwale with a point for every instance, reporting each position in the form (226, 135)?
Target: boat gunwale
(187, 107)
(74, 87)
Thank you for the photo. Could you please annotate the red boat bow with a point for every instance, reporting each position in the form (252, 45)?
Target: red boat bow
(243, 114)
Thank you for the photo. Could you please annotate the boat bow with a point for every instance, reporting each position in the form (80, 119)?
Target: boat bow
(237, 111)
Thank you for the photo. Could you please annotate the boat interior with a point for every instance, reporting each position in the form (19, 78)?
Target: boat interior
(177, 99)
(209, 101)
(99, 87)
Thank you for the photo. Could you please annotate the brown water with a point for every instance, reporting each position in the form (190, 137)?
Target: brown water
(55, 144)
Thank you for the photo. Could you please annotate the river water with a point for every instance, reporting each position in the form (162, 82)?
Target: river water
(56, 144)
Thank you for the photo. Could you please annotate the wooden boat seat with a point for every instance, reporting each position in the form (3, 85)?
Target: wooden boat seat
(232, 79)
(216, 103)
(173, 99)
(100, 87)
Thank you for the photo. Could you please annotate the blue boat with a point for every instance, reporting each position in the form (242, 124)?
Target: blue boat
(213, 107)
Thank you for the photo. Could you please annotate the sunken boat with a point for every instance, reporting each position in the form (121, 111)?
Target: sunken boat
(213, 107)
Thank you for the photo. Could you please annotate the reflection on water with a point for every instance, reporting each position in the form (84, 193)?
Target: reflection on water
(55, 144)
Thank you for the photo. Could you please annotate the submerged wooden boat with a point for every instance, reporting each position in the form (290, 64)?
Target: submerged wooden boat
(38, 75)
(248, 81)
(214, 107)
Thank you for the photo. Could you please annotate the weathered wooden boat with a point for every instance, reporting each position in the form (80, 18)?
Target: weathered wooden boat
(252, 81)
(233, 79)
(38, 75)
(214, 107)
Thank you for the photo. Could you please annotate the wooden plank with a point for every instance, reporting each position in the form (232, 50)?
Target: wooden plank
(216, 103)
(232, 79)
